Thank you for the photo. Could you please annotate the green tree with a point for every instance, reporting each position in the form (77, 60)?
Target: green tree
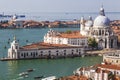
(92, 42)
(68, 31)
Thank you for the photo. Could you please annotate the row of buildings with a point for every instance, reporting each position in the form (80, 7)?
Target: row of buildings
(109, 69)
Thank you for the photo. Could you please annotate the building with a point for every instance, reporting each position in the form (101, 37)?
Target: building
(69, 38)
(43, 50)
(112, 58)
(99, 72)
(100, 30)
(15, 22)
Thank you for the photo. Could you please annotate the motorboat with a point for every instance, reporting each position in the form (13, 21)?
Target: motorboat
(49, 78)
(38, 77)
(30, 70)
(23, 74)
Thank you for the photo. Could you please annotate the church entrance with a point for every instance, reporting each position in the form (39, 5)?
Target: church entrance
(101, 43)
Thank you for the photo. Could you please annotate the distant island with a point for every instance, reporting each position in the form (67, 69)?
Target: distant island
(15, 22)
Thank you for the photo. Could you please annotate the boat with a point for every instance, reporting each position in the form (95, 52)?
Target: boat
(38, 77)
(23, 74)
(49, 78)
(30, 70)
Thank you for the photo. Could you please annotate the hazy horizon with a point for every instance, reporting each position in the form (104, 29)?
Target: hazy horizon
(65, 6)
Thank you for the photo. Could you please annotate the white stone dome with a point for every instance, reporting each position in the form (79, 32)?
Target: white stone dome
(101, 21)
(89, 23)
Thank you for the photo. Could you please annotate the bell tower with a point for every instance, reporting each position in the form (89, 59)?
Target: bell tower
(13, 50)
(82, 24)
(14, 44)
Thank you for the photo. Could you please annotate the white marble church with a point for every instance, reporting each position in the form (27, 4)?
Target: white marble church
(100, 30)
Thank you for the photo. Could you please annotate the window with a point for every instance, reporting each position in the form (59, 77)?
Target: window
(21, 54)
(41, 52)
(116, 61)
(76, 50)
(36, 53)
(31, 53)
(117, 72)
(27, 54)
(64, 54)
(24, 55)
(49, 52)
(64, 50)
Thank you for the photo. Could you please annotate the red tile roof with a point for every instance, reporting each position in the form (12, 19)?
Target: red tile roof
(74, 34)
(41, 45)
(109, 66)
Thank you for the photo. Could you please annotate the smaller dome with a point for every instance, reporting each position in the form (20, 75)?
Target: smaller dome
(101, 21)
(89, 23)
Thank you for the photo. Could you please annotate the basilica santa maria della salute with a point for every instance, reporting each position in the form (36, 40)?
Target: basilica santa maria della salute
(100, 30)
(74, 43)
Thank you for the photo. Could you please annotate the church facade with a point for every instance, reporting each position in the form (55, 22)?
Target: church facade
(100, 30)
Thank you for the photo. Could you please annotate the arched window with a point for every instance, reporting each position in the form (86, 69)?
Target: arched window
(99, 32)
(41, 52)
(57, 54)
(27, 53)
(64, 50)
(36, 53)
(49, 52)
(57, 51)
(21, 54)
(24, 55)
(79, 53)
(64, 54)
(31, 54)
(116, 61)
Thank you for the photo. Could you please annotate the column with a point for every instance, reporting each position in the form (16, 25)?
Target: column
(104, 32)
(108, 43)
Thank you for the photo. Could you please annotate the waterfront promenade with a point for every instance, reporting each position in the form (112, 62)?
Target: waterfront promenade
(87, 53)
(101, 51)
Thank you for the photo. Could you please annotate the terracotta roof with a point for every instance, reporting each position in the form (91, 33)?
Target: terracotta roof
(73, 34)
(73, 77)
(41, 45)
(109, 66)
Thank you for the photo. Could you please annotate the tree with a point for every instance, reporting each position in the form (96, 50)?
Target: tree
(92, 42)
(68, 31)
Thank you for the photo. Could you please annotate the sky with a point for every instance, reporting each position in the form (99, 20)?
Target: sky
(58, 5)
